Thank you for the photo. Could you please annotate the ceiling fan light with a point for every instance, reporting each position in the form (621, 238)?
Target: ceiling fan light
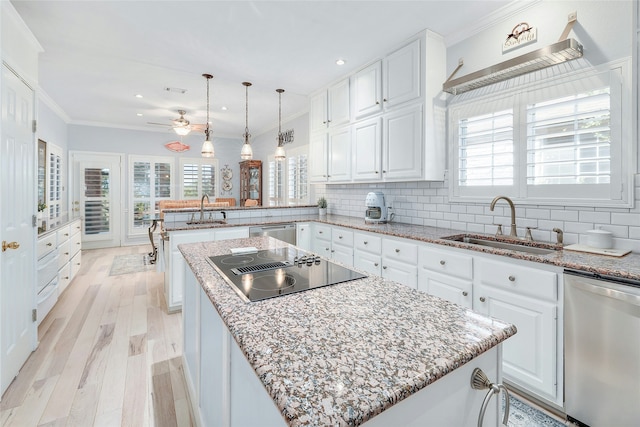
(247, 152)
(182, 130)
(207, 148)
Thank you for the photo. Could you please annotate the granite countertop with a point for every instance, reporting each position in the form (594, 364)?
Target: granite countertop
(627, 266)
(341, 354)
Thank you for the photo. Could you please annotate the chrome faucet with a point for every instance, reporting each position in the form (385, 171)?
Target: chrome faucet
(513, 232)
(202, 206)
(559, 235)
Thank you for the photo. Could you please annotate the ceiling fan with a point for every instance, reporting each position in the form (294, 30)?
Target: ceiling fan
(181, 126)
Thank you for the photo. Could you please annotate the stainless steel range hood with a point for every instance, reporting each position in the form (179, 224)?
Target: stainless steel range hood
(557, 53)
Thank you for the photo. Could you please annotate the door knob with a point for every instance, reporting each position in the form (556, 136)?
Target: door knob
(12, 245)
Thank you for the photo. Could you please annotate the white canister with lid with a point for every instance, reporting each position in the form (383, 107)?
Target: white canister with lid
(599, 238)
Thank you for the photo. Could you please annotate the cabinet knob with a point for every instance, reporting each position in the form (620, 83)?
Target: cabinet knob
(375, 264)
(66, 253)
(339, 237)
(482, 299)
(397, 250)
(366, 243)
(326, 249)
(384, 267)
(377, 172)
(442, 262)
(319, 232)
(377, 102)
(465, 293)
(66, 278)
(332, 251)
(324, 122)
(512, 278)
(384, 100)
(328, 121)
(49, 244)
(66, 234)
(384, 171)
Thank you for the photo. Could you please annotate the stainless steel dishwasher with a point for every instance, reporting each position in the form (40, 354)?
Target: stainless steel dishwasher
(285, 232)
(602, 349)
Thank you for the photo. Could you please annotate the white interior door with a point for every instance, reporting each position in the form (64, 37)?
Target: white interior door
(97, 198)
(17, 207)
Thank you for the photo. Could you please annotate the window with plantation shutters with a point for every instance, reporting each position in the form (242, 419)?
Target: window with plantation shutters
(199, 177)
(289, 179)
(566, 142)
(151, 181)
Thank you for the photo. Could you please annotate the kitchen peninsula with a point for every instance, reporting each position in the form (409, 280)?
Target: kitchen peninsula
(369, 350)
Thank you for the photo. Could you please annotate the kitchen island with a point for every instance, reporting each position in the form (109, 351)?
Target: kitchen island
(369, 350)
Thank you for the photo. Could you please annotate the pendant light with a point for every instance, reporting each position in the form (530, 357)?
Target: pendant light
(207, 145)
(246, 153)
(280, 153)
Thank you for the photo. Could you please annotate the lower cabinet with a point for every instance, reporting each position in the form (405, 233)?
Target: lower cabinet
(333, 242)
(523, 293)
(399, 261)
(303, 235)
(176, 267)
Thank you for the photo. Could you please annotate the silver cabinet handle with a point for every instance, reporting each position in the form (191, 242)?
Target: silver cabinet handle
(339, 237)
(366, 243)
(442, 262)
(512, 278)
(482, 299)
(397, 250)
(465, 293)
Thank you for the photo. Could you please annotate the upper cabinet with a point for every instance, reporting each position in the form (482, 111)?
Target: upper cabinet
(396, 121)
(330, 107)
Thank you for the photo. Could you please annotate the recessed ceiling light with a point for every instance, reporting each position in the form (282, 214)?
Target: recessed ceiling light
(139, 114)
(139, 96)
(340, 62)
(224, 108)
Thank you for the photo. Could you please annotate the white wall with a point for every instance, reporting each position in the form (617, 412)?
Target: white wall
(606, 29)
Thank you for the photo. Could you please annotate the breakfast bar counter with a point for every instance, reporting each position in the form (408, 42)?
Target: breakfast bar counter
(344, 354)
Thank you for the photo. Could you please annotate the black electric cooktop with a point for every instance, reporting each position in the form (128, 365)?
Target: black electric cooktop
(275, 272)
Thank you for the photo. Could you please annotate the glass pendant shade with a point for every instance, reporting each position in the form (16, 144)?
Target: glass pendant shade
(280, 153)
(207, 148)
(246, 153)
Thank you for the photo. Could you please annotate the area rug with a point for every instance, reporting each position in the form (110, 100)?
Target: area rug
(523, 415)
(132, 263)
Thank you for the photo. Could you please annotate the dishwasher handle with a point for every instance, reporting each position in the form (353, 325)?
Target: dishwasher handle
(274, 227)
(605, 291)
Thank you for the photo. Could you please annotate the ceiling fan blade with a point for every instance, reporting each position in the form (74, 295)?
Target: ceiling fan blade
(159, 124)
(198, 127)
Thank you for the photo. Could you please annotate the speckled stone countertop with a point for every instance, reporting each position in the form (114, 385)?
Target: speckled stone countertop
(341, 354)
(625, 267)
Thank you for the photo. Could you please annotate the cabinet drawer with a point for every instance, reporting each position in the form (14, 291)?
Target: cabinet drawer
(75, 264)
(342, 236)
(46, 244)
(64, 254)
(47, 269)
(518, 278)
(400, 250)
(75, 244)
(368, 243)
(64, 277)
(63, 233)
(75, 227)
(322, 231)
(443, 261)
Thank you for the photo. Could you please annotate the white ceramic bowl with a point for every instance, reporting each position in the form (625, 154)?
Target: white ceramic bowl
(601, 239)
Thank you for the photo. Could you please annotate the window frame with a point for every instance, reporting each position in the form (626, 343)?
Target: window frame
(619, 192)
(284, 200)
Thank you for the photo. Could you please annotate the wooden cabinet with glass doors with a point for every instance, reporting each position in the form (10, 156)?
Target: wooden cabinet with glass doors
(251, 182)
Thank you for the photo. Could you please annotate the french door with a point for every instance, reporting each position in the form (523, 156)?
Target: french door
(17, 232)
(96, 197)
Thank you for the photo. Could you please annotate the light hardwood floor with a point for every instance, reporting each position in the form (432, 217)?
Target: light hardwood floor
(109, 355)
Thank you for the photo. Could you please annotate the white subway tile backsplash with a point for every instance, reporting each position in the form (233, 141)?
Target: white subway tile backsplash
(427, 203)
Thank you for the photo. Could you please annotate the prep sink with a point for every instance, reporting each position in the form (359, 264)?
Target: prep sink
(513, 245)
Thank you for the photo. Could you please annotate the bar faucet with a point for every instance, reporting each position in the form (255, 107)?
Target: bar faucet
(513, 232)
(202, 206)
(559, 236)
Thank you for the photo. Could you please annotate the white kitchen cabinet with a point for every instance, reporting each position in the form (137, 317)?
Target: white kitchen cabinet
(401, 71)
(446, 274)
(321, 239)
(339, 155)
(367, 90)
(176, 267)
(400, 260)
(402, 144)
(528, 298)
(318, 154)
(330, 107)
(69, 245)
(330, 156)
(303, 235)
(333, 242)
(367, 150)
(367, 252)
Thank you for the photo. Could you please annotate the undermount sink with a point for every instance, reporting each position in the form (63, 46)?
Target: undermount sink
(514, 245)
(207, 221)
